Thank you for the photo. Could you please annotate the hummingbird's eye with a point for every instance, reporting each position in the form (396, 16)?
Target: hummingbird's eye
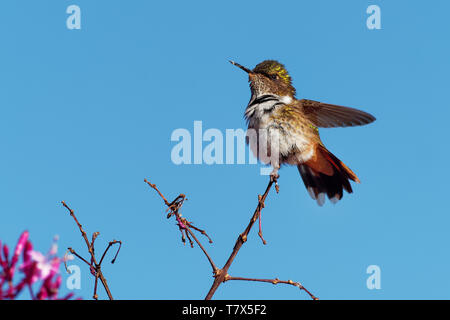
(274, 76)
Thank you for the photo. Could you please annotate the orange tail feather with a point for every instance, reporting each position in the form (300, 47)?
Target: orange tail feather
(324, 174)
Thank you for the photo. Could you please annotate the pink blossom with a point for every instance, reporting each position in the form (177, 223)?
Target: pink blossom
(45, 265)
(35, 267)
(19, 247)
(9, 265)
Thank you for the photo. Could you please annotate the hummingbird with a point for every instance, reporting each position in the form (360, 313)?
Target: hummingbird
(295, 123)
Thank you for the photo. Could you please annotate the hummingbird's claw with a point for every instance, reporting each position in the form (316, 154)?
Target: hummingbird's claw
(274, 174)
(274, 178)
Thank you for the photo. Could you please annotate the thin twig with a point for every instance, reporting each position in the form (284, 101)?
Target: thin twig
(94, 266)
(275, 281)
(203, 232)
(156, 189)
(94, 236)
(260, 226)
(78, 256)
(111, 243)
(95, 296)
(183, 224)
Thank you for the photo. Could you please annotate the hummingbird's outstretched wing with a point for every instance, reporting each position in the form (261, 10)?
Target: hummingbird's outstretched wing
(328, 115)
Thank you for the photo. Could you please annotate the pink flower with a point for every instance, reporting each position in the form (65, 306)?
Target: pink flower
(44, 265)
(19, 247)
(8, 265)
(35, 267)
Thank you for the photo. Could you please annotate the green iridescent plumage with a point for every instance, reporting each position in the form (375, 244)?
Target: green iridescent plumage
(277, 72)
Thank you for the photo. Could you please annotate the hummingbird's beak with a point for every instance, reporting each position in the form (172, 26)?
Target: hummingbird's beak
(242, 67)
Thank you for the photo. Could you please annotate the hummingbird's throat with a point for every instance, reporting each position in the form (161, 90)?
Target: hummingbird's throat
(286, 99)
(264, 104)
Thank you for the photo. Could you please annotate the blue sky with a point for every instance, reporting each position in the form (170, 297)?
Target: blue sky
(86, 115)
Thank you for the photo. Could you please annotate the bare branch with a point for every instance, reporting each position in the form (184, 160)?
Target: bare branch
(221, 275)
(242, 238)
(183, 224)
(274, 281)
(93, 265)
(110, 244)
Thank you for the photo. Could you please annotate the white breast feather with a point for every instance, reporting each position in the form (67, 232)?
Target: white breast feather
(259, 119)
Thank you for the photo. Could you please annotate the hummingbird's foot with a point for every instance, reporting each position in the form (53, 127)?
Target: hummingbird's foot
(274, 178)
(274, 175)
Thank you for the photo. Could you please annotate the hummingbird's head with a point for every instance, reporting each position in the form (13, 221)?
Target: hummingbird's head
(269, 77)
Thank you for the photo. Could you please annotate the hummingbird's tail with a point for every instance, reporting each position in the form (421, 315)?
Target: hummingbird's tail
(324, 174)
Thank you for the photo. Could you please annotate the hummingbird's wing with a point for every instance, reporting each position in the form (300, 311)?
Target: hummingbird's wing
(328, 115)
